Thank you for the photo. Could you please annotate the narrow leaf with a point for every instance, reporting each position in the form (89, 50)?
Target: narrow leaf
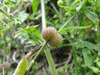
(83, 44)
(74, 28)
(87, 58)
(91, 15)
(34, 5)
(11, 24)
(80, 6)
(67, 22)
(3, 12)
(21, 68)
(35, 31)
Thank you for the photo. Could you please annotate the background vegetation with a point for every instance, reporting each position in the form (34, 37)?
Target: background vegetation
(77, 21)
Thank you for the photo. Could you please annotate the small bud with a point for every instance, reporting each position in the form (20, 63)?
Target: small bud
(6, 65)
(6, 2)
(95, 69)
(79, 59)
(98, 63)
(60, 71)
(60, 2)
(67, 14)
(55, 16)
(99, 54)
(66, 66)
(78, 1)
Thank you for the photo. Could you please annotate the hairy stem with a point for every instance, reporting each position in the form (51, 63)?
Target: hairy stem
(32, 62)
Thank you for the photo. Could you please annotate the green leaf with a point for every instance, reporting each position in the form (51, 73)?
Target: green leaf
(80, 6)
(21, 68)
(83, 44)
(87, 57)
(35, 31)
(67, 22)
(91, 15)
(7, 27)
(23, 40)
(34, 68)
(34, 5)
(56, 21)
(28, 31)
(16, 35)
(63, 30)
(11, 24)
(4, 12)
(22, 16)
(97, 47)
(2, 16)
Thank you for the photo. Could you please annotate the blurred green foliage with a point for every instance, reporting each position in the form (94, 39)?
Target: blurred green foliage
(76, 20)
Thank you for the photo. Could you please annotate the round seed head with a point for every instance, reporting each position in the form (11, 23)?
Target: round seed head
(48, 33)
(96, 70)
(6, 65)
(1, 67)
(60, 2)
(56, 41)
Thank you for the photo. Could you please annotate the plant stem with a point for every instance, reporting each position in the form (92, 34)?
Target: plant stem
(67, 22)
(47, 52)
(3, 71)
(74, 56)
(50, 61)
(98, 31)
(43, 14)
(32, 62)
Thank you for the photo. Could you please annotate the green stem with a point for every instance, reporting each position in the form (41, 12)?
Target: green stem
(98, 30)
(50, 61)
(32, 55)
(47, 52)
(57, 12)
(75, 61)
(32, 62)
(67, 22)
(3, 71)
(43, 14)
